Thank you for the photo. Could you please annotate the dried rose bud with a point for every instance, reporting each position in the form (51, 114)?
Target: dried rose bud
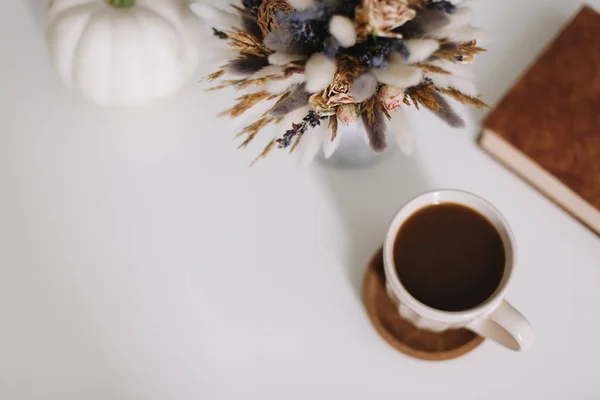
(391, 97)
(381, 17)
(347, 113)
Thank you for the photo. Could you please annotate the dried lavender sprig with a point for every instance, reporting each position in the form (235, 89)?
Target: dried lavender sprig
(375, 51)
(317, 12)
(309, 26)
(311, 120)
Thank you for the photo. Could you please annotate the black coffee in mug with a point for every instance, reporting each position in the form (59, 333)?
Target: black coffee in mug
(449, 257)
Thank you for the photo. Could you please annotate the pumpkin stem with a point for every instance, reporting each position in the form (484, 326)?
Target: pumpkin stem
(121, 3)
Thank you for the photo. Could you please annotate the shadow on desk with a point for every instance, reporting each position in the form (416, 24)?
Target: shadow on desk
(367, 199)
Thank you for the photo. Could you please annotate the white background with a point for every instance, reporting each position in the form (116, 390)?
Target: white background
(141, 259)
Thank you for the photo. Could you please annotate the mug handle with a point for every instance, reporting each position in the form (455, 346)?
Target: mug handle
(506, 326)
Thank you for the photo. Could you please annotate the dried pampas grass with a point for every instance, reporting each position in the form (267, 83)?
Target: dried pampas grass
(301, 4)
(364, 87)
(342, 29)
(295, 100)
(332, 142)
(320, 72)
(311, 142)
(398, 75)
(401, 128)
(374, 123)
(446, 113)
(420, 49)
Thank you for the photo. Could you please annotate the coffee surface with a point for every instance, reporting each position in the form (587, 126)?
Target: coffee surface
(449, 257)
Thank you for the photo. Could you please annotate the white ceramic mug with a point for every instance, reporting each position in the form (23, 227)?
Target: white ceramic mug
(495, 318)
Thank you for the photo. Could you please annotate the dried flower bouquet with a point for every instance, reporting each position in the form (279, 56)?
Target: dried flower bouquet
(319, 64)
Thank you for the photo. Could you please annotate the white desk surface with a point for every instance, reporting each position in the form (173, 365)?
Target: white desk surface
(141, 259)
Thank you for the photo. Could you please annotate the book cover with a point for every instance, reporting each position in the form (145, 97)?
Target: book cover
(547, 127)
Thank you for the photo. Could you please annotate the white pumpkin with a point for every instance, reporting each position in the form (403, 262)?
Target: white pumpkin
(124, 52)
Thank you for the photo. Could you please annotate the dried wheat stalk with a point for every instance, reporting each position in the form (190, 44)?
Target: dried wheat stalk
(298, 139)
(246, 102)
(214, 75)
(253, 129)
(464, 51)
(246, 43)
(463, 98)
(265, 152)
(423, 95)
(433, 68)
(333, 125)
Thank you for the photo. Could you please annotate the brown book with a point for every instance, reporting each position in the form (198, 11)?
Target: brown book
(547, 128)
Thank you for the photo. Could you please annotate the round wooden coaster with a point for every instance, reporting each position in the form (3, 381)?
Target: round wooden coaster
(403, 335)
